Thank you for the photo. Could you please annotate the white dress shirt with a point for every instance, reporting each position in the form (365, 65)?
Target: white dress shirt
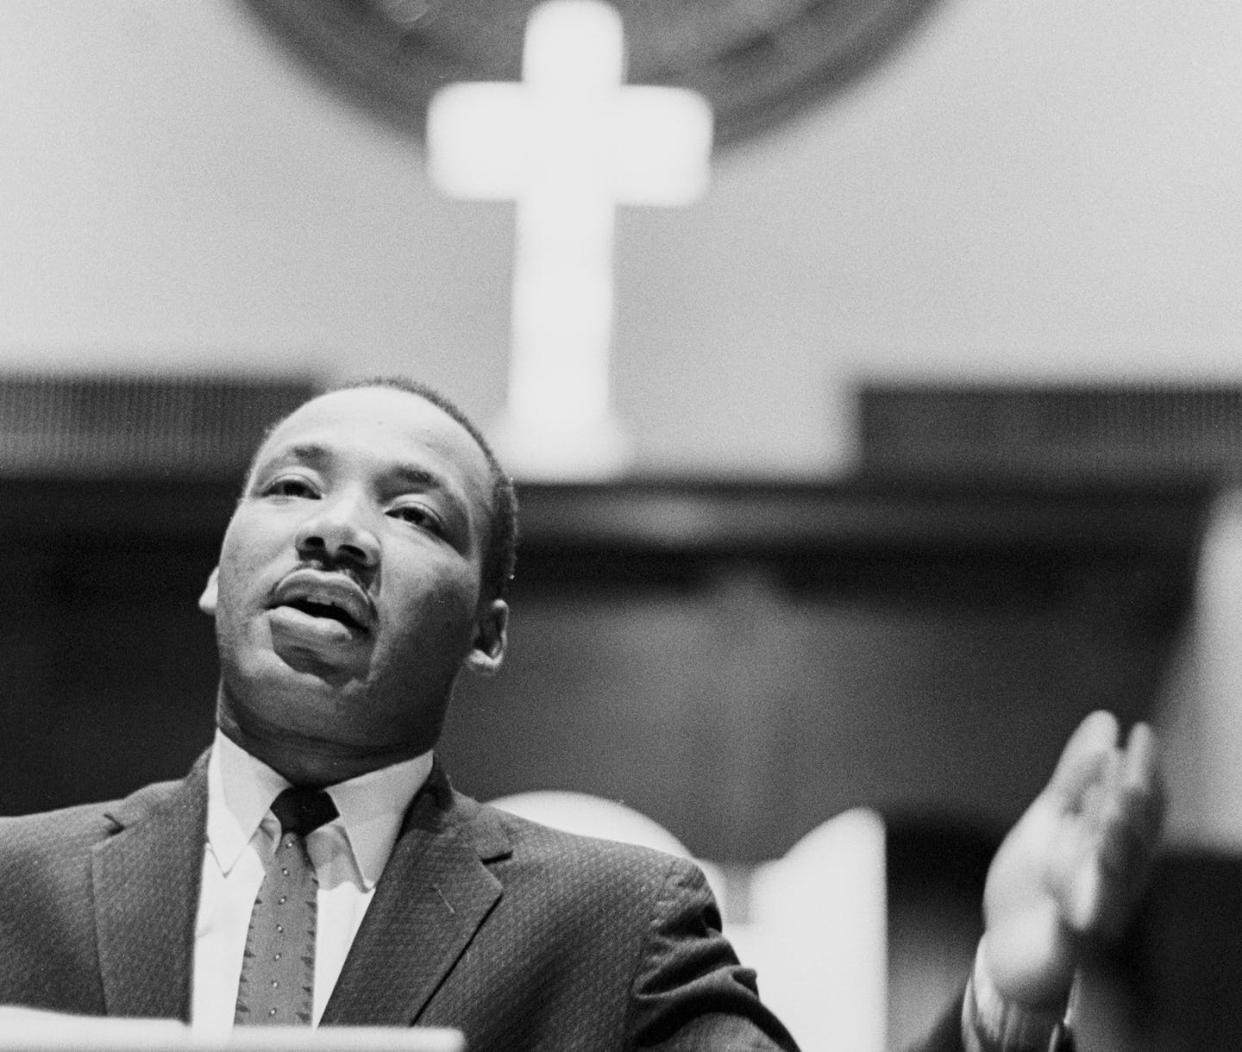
(349, 854)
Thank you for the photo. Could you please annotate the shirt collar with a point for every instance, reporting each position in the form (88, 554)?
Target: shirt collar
(241, 788)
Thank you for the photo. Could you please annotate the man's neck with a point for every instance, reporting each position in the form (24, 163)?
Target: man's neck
(305, 762)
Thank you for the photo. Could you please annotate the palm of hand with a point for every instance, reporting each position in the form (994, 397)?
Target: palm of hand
(1071, 869)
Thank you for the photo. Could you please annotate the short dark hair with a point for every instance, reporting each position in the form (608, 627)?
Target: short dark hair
(500, 556)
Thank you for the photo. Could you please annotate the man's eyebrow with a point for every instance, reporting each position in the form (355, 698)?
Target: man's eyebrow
(419, 477)
(302, 453)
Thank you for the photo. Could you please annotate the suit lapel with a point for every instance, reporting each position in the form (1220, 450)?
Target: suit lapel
(146, 879)
(434, 894)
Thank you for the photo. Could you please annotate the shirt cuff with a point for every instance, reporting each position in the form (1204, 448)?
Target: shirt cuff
(992, 1024)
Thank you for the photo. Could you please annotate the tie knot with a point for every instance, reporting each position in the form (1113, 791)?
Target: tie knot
(302, 810)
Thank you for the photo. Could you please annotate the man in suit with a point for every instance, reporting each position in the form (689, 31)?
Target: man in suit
(364, 567)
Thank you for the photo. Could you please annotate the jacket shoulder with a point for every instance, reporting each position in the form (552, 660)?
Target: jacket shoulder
(80, 825)
(532, 847)
(76, 823)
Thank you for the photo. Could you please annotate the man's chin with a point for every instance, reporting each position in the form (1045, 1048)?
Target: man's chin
(310, 666)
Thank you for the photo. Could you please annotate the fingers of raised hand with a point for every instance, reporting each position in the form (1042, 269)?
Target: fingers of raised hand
(1085, 760)
(1133, 811)
(1118, 822)
(1142, 781)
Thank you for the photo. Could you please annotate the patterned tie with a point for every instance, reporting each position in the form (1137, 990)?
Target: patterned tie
(278, 970)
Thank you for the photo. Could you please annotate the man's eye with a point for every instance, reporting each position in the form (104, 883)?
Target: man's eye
(289, 486)
(417, 515)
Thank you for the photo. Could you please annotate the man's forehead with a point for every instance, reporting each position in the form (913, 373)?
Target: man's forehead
(403, 421)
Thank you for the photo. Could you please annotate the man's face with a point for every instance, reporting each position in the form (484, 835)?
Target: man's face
(347, 596)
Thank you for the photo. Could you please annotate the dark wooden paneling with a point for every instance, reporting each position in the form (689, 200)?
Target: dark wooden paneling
(738, 661)
(1105, 431)
(741, 662)
(109, 667)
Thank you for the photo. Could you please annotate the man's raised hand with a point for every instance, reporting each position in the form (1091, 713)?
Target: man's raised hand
(1073, 867)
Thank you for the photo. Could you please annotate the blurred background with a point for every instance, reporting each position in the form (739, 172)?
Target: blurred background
(936, 396)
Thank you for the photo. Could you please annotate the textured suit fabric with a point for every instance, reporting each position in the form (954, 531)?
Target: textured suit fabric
(523, 937)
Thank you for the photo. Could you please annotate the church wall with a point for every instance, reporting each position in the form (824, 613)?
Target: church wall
(1044, 192)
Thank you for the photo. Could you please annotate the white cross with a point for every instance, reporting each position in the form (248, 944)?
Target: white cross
(568, 143)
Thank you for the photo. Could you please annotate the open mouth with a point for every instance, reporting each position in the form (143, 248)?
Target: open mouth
(326, 597)
(325, 610)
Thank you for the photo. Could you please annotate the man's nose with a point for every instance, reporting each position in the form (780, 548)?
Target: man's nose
(339, 529)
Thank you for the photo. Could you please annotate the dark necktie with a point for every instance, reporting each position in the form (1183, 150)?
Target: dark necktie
(278, 970)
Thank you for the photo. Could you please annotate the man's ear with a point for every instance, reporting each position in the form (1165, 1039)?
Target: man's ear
(490, 638)
(207, 601)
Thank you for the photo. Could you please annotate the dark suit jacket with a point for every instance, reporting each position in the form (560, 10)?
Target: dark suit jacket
(521, 936)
